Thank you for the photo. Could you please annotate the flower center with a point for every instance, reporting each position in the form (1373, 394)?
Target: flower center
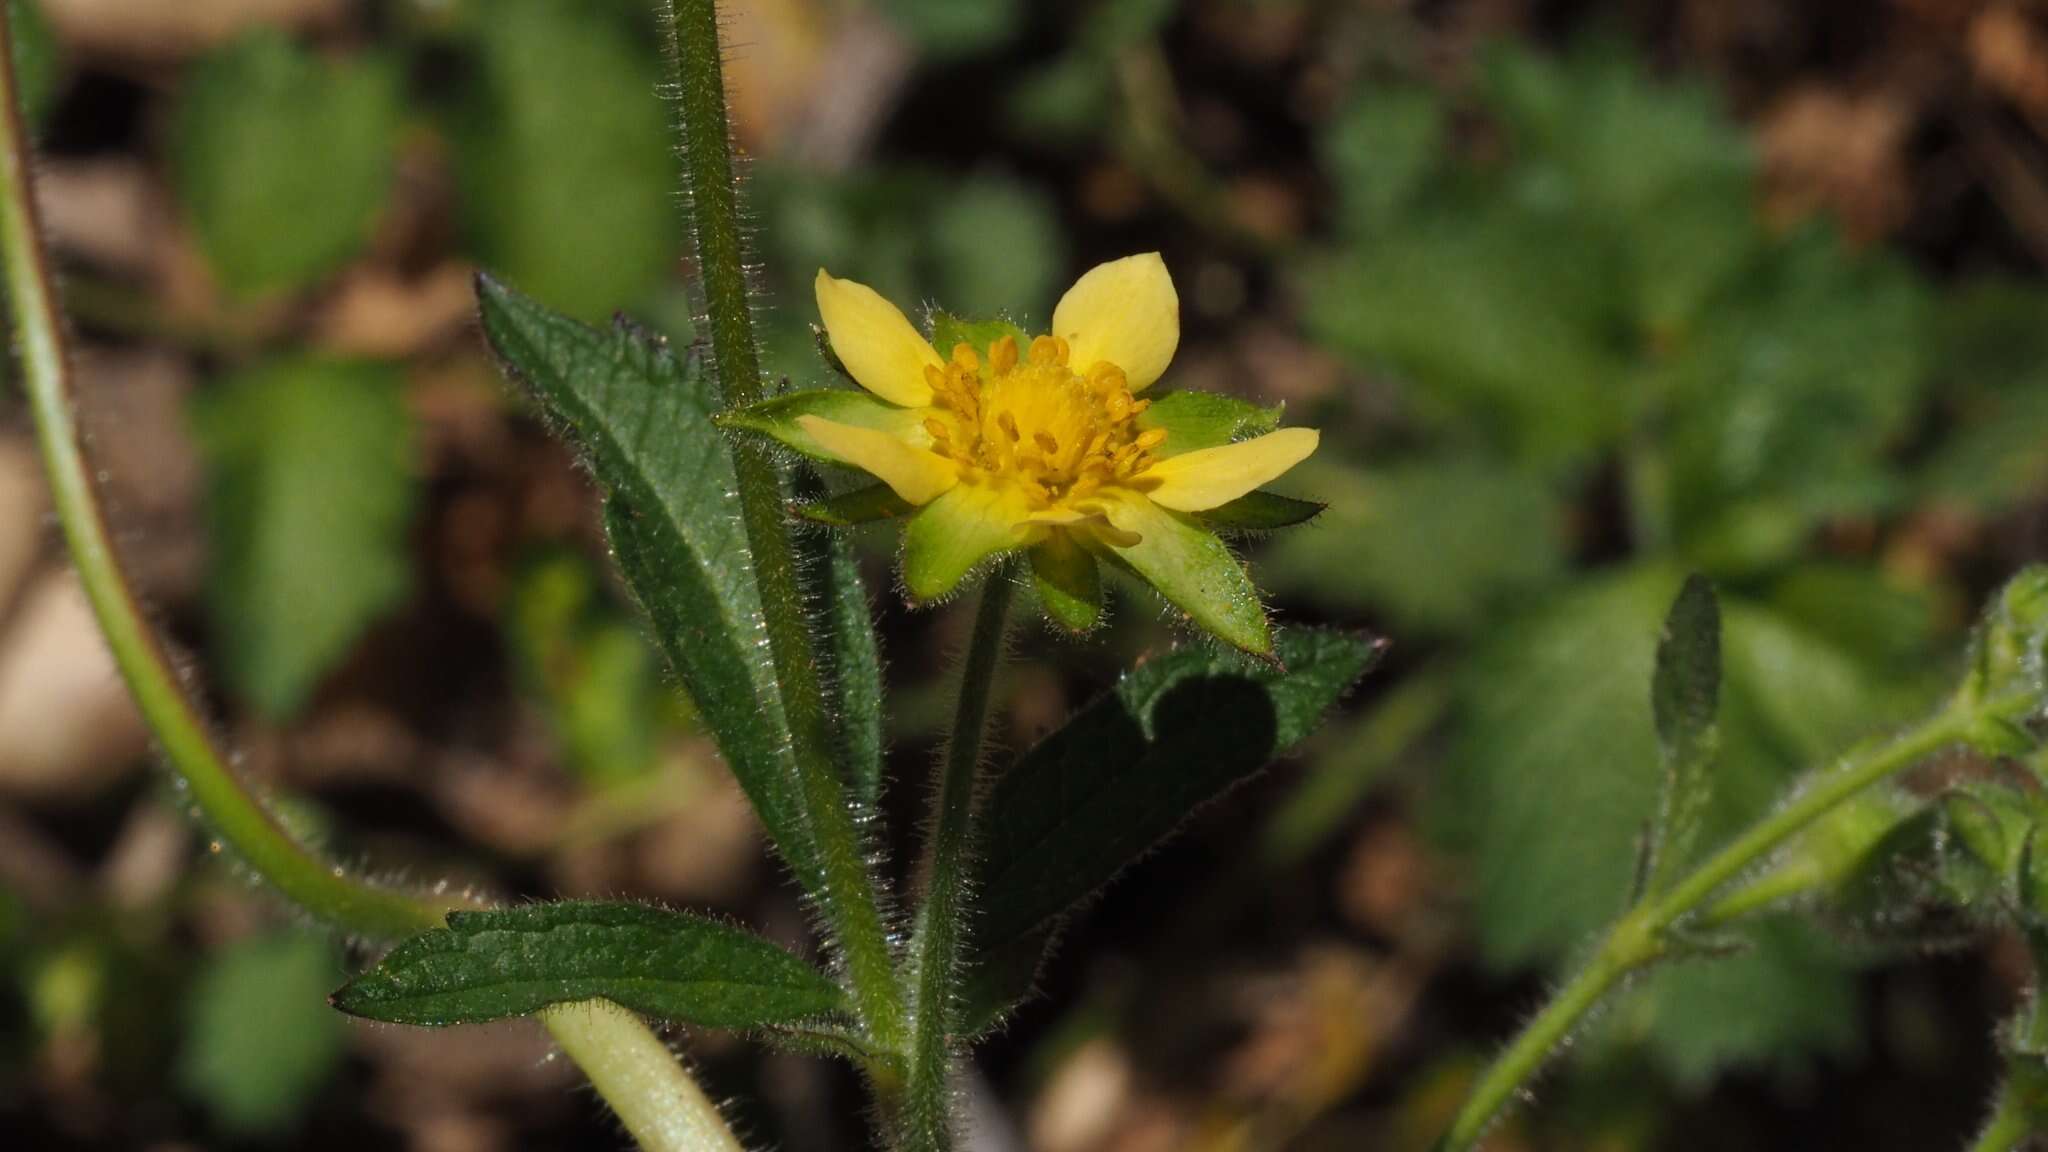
(1036, 424)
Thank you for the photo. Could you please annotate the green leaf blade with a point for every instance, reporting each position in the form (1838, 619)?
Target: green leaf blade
(644, 417)
(1685, 696)
(515, 961)
(1125, 772)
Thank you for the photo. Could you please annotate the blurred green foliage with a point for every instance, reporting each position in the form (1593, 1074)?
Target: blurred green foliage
(283, 160)
(260, 1038)
(563, 157)
(1590, 298)
(587, 662)
(309, 492)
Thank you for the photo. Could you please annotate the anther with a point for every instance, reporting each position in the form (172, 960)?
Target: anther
(1008, 424)
(941, 434)
(1002, 355)
(1046, 442)
(1045, 350)
(963, 355)
(1151, 439)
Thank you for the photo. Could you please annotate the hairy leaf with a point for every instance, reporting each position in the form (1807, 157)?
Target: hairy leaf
(1260, 511)
(308, 492)
(643, 416)
(1179, 731)
(1195, 420)
(283, 160)
(514, 961)
(1685, 694)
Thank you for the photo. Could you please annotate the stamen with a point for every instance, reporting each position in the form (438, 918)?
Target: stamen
(1046, 442)
(1045, 350)
(1153, 438)
(1008, 423)
(1002, 356)
(963, 355)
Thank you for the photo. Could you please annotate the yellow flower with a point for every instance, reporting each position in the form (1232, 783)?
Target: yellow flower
(1047, 444)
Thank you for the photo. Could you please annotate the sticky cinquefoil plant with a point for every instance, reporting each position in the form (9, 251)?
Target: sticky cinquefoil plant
(996, 443)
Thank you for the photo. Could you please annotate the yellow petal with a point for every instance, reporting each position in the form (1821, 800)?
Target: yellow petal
(917, 475)
(877, 344)
(1125, 312)
(1208, 477)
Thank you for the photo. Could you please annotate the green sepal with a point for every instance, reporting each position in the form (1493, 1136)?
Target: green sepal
(777, 417)
(1196, 573)
(1260, 511)
(1069, 582)
(948, 330)
(949, 538)
(860, 506)
(515, 961)
(1195, 420)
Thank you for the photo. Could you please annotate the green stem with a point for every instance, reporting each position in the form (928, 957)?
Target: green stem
(654, 1096)
(241, 822)
(652, 1093)
(850, 901)
(1639, 937)
(949, 859)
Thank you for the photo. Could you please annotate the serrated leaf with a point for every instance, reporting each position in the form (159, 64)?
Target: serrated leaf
(1195, 420)
(283, 160)
(309, 490)
(563, 158)
(515, 961)
(860, 506)
(1685, 694)
(643, 416)
(1261, 511)
(1125, 772)
(259, 1042)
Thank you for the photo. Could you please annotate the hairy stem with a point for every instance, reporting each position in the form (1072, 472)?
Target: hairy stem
(850, 902)
(949, 859)
(1639, 937)
(659, 1103)
(654, 1096)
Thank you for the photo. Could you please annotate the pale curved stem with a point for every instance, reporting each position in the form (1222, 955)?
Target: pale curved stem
(630, 1067)
(654, 1096)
